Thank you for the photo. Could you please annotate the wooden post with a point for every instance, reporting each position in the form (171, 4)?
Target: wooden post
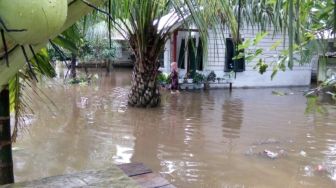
(6, 160)
(108, 66)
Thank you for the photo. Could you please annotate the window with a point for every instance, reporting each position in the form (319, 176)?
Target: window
(161, 59)
(192, 57)
(199, 56)
(230, 64)
(181, 55)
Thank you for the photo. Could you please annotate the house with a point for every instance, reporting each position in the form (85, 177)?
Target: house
(123, 54)
(185, 48)
(324, 62)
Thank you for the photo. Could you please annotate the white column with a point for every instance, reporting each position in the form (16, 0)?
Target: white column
(167, 54)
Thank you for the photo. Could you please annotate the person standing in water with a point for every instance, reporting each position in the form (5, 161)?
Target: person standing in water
(174, 78)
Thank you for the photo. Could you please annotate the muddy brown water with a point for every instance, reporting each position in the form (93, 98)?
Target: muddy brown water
(194, 139)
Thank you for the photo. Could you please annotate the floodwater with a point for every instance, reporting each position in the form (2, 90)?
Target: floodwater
(247, 138)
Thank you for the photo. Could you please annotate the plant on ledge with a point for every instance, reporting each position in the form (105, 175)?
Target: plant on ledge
(163, 78)
(211, 77)
(198, 78)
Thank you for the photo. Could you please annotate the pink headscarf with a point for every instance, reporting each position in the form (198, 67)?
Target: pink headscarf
(173, 66)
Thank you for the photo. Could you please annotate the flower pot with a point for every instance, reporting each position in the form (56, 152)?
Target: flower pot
(206, 86)
(180, 81)
(198, 86)
(182, 86)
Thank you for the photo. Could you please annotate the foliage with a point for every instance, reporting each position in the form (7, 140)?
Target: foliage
(314, 96)
(330, 86)
(211, 77)
(302, 22)
(97, 51)
(262, 66)
(163, 78)
(108, 53)
(40, 66)
(136, 20)
(279, 93)
(327, 87)
(250, 55)
(84, 79)
(187, 75)
(21, 92)
(198, 78)
(314, 106)
(307, 17)
(73, 41)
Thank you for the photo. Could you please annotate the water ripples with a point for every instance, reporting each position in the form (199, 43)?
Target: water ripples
(213, 138)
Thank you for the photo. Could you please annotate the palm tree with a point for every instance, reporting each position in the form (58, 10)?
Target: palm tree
(260, 12)
(76, 10)
(147, 41)
(147, 25)
(10, 89)
(142, 23)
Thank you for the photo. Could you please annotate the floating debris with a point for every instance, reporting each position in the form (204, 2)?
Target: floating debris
(83, 102)
(320, 168)
(270, 154)
(303, 153)
(249, 151)
(16, 149)
(308, 171)
(307, 168)
(279, 93)
(266, 153)
(267, 141)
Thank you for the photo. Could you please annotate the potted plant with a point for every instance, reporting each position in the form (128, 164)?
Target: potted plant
(187, 78)
(163, 79)
(198, 80)
(211, 78)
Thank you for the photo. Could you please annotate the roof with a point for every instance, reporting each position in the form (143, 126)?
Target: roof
(100, 30)
(173, 19)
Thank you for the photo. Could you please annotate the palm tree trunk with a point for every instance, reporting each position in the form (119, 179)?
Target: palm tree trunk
(145, 91)
(6, 160)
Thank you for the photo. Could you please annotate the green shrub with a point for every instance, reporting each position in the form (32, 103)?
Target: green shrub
(198, 78)
(211, 77)
(163, 78)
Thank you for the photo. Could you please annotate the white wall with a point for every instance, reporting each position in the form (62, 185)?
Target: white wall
(299, 76)
(167, 56)
(168, 53)
(215, 61)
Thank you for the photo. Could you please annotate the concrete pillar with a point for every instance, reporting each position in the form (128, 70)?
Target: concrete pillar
(167, 59)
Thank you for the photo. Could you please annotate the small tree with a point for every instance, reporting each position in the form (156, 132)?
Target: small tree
(148, 25)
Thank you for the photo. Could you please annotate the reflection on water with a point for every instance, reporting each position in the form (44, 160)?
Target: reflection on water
(195, 139)
(232, 118)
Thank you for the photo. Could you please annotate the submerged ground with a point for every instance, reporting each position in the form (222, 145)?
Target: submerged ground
(195, 139)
